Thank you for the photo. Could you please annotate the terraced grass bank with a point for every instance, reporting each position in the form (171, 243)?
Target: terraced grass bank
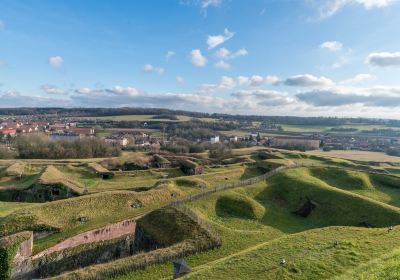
(258, 227)
(166, 233)
(326, 218)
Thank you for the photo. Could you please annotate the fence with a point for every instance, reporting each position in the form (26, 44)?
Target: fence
(242, 183)
(258, 179)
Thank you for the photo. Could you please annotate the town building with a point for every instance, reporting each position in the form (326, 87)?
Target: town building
(214, 140)
(295, 143)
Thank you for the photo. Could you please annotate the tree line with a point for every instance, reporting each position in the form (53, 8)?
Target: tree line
(41, 147)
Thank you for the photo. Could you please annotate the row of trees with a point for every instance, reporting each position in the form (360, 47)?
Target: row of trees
(38, 146)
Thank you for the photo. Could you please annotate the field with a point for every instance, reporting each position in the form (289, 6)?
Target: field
(143, 118)
(358, 155)
(324, 128)
(259, 224)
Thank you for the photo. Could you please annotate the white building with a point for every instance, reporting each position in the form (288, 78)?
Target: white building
(233, 139)
(214, 140)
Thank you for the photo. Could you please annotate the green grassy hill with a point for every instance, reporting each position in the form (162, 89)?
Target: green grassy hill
(258, 228)
(258, 224)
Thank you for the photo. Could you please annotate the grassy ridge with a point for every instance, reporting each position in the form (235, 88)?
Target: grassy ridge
(101, 209)
(309, 255)
(258, 228)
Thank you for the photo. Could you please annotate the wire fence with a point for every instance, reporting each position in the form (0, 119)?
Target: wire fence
(257, 179)
(242, 183)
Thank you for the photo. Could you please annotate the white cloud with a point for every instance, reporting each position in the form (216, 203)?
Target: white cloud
(15, 99)
(56, 61)
(2, 25)
(242, 80)
(241, 52)
(203, 4)
(180, 79)
(359, 78)
(384, 59)
(307, 80)
(272, 80)
(263, 98)
(226, 83)
(216, 40)
(169, 55)
(369, 4)
(50, 89)
(331, 7)
(344, 96)
(197, 58)
(222, 65)
(226, 54)
(256, 80)
(152, 69)
(223, 53)
(109, 92)
(332, 46)
(128, 91)
(206, 3)
(85, 90)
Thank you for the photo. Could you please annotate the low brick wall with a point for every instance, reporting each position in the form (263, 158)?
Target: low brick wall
(108, 232)
(84, 255)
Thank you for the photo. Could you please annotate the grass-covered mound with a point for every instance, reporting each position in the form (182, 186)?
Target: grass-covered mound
(51, 184)
(236, 205)
(277, 199)
(179, 231)
(309, 255)
(386, 181)
(238, 159)
(191, 182)
(289, 191)
(343, 179)
(100, 170)
(52, 176)
(269, 164)
(170, 225)
(383, 188)
(16, 169)
(9, 247)
(100, 209)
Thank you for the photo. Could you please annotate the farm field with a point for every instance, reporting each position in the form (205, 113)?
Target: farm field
(357, 155)
(324, 128)
(144, 118)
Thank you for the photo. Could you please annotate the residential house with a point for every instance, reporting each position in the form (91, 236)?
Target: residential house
(214, 140)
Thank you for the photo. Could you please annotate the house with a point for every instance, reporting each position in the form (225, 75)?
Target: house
(8, 131)
(295, 143)
(81, 131)
(214, 140)
(233, 139)
(58, 127)
(117, 140)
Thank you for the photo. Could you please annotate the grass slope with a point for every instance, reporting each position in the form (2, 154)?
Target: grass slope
(309, 255)
(258, 228)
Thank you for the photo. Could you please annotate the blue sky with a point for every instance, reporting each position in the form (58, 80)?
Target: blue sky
(269, 57)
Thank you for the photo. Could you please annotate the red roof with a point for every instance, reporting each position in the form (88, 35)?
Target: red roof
(8, 131)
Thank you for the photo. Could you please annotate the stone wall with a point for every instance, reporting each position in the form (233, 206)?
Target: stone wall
(80, 256)
(91, 247)
(101, 234)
